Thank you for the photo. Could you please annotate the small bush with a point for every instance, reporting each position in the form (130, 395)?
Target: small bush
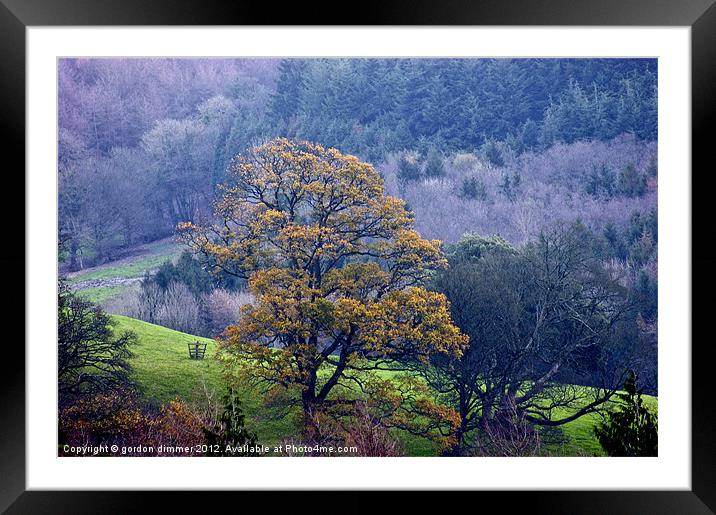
(408, 167)
(434, 166)
(631, 183)
(368, 436)
(508, 434)
(473, 188)
(360, 433)
(492, 153)
(229, 429)
(118, 418)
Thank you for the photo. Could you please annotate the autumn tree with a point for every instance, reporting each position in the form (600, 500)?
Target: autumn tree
(336, 270)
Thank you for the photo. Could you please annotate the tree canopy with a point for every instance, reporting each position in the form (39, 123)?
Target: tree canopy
(336, 269)
(542, 321)
(91, 358)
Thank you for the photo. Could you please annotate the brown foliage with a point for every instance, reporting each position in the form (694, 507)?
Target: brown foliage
(358, 435)
(117, 418)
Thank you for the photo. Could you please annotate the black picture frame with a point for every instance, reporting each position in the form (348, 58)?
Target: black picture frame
(17, 15)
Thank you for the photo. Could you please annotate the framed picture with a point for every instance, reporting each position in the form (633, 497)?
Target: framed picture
(416, 253)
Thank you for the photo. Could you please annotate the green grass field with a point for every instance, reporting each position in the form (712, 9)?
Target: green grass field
(163, 370)
(102, 294)
(104, 282)
(161, 361)
(148, 257)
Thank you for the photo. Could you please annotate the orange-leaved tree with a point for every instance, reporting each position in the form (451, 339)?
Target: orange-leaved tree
(336, 269)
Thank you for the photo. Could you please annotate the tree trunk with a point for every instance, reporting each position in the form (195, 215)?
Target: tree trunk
(73, 255)
(459, 446)
(309, 404)
(310, 428)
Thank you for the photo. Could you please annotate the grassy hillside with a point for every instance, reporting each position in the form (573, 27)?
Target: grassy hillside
(161, 361)
(164, 371)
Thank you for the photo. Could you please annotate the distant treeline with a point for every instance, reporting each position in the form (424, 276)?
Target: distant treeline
(374, 106)
(143, 143)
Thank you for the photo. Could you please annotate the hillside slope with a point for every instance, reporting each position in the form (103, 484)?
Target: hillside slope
(108, 280)
(163, 370)
(161, 363)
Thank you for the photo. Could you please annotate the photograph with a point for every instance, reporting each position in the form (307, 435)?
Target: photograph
(289, 255)
(441, 257)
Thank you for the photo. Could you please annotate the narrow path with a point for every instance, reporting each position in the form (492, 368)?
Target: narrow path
(105, 283)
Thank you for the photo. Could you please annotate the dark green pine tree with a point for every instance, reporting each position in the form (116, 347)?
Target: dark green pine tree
(630, 430)
(285, 102)
(230, 430)
(631, 182)
(408, 168)
(434, 166)
(414, 98)
(615, 242)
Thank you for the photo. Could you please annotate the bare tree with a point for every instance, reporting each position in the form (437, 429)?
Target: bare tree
(180, 309)
(542, 322)
(221, 309)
